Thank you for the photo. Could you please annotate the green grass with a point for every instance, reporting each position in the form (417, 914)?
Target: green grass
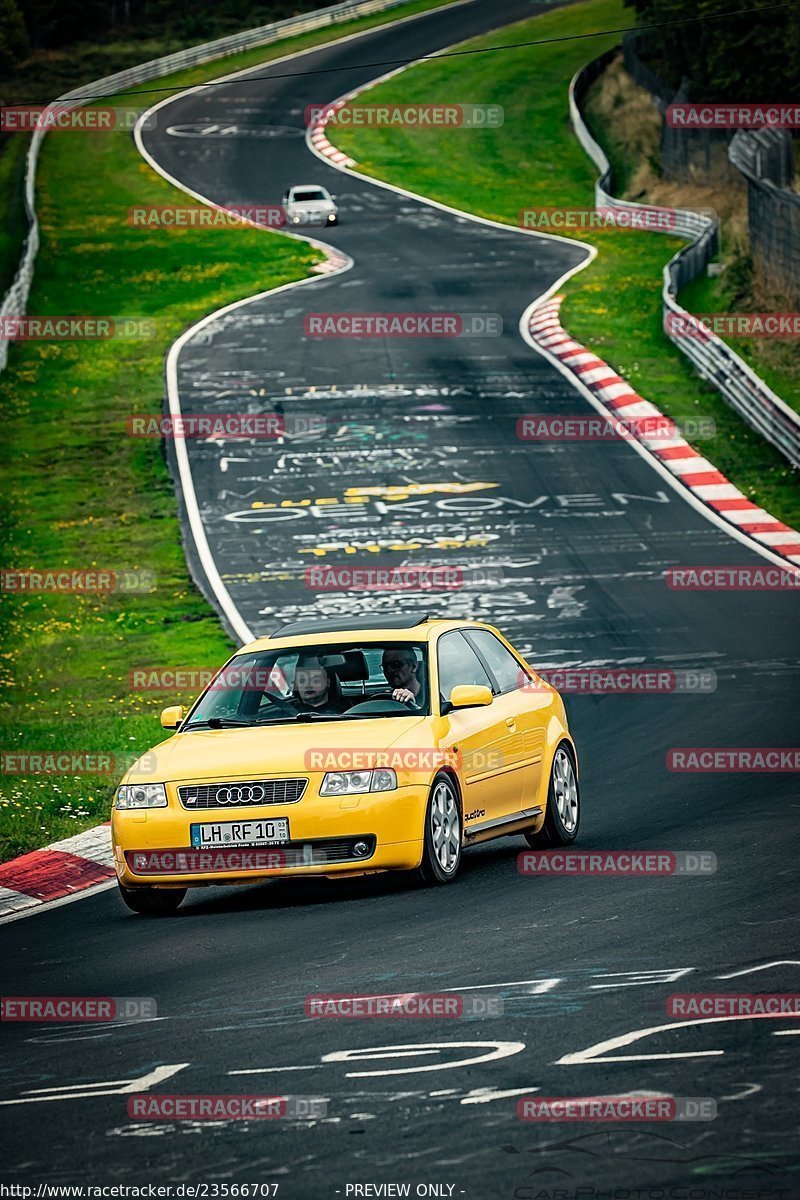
(534, 159)
(79, 492)
(775, 360)
(48, 74)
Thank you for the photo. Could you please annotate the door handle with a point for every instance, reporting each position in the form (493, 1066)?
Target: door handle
(511, 723)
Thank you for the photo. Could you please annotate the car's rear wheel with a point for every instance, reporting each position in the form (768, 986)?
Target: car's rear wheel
(563, 813)
(441, 850)
(152, 901)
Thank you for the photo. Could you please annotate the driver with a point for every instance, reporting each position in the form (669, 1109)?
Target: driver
(315, 688)
(399, 665)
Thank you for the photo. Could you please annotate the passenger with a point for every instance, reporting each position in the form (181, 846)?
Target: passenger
(316, 688)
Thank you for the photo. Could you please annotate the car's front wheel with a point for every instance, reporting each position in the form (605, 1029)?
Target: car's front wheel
(152, 901)
(563, 804)
(441, 849)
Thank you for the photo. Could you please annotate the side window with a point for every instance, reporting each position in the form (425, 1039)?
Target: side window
(509, 673)
(458, 664)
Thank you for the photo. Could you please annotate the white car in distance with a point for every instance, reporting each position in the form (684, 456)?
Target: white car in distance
(310, 204)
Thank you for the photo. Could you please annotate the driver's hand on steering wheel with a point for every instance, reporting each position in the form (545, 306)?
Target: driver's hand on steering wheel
(404, 695)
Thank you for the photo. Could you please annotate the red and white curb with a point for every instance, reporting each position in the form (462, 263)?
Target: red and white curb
(316, 134)
(699, 475)
(58, 872)
(334, 262)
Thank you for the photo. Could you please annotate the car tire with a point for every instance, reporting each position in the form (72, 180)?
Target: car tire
(563, 813)
(152, 901)
(442, 838)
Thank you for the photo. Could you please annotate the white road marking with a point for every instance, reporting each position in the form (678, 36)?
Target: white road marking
(498, 1050)
(541, 986)
(484, 1095)
(783, 962)
(113, 1087)
(750, 1089)
(267, 1070)
(640, 978)
(598, 1052)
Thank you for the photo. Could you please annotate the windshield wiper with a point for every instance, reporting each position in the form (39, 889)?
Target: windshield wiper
(218, 723)
(312, 716)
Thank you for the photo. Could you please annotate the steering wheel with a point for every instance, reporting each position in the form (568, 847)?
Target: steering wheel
(377, 704)
(282, 703)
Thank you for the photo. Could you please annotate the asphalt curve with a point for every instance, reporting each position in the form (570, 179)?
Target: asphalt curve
(582, 534)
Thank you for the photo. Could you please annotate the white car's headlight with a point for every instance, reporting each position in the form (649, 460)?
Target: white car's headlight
(142, 795)
(352, 783)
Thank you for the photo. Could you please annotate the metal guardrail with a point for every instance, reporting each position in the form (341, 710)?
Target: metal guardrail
(716, 362)
(764, 155)
(16, 298)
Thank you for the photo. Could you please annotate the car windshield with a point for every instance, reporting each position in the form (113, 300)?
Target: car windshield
(337, 682)
(308, 194)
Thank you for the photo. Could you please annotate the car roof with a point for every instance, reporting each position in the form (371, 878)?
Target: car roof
(404, 628)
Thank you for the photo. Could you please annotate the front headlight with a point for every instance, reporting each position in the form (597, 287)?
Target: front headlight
(352, 783)
(142, 795)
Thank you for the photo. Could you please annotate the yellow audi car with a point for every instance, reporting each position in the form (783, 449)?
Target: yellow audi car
(343, 747)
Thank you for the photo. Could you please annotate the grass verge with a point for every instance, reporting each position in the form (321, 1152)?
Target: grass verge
(628, 124)
(51, 73)
(80, 492)
(534, 160)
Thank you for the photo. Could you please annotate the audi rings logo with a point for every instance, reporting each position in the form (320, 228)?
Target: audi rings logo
(246, 793)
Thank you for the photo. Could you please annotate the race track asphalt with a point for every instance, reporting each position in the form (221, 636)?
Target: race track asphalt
(582, 533)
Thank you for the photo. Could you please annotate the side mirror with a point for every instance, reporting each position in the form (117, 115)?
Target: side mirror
(470, 695)
(172, 717)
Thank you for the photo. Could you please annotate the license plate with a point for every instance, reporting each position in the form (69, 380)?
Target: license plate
(213, 834)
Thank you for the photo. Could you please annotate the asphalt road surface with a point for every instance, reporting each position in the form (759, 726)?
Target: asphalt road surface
(582, 534)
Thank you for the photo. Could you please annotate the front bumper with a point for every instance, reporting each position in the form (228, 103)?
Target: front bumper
(311, 218)
(321, 829)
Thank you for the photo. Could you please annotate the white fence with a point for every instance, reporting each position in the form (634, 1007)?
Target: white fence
(741, 388)
(16, 298)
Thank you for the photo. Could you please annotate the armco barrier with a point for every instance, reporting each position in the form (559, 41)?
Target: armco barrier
(740, 387)
(16, 298)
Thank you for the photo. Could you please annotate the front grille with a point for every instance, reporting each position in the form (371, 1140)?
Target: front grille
(324, 850)
(235, 795)
(186, 861)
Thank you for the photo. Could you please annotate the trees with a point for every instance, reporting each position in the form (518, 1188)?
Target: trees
(752, 57)
(13, 35)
